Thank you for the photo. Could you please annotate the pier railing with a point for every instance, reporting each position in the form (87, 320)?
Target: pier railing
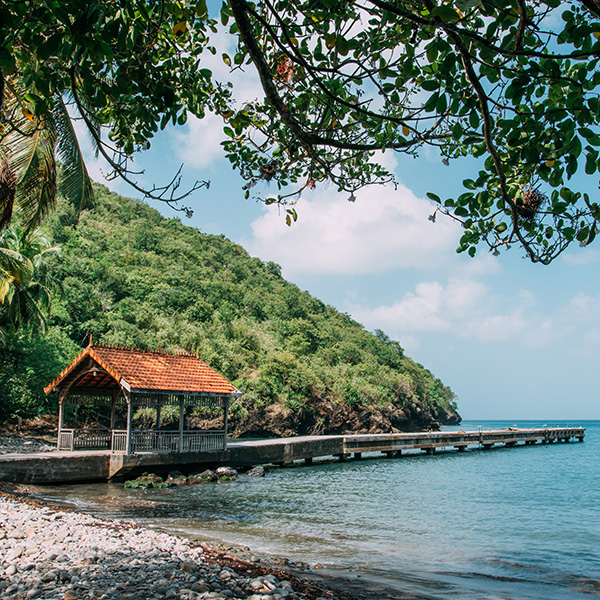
(429, 441)
(149, 440)
(144, 440)
(84, 439)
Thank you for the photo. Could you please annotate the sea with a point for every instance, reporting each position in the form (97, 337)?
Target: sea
(505, 523)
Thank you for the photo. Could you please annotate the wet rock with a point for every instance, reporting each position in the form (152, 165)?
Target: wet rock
(204, 477)
(148, 480)
(226, 474)
(256, 472)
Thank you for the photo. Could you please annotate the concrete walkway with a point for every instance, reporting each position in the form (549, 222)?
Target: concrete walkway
(98, 465)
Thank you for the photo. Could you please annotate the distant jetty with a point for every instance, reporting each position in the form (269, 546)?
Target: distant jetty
(97, 465)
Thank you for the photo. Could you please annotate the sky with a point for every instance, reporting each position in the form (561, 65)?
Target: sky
(514, 340)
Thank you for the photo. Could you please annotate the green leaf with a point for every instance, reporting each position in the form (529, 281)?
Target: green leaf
(342, 45)
(201, 8)
(430, 85)
(446, 13)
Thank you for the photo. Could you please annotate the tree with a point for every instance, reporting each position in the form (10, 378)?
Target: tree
(514, 85)
(105, 65)
(29, 148)
(25, 283)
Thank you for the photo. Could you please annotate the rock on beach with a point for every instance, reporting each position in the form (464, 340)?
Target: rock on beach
(61, 555)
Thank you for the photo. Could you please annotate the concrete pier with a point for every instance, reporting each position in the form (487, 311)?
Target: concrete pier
(89, 465)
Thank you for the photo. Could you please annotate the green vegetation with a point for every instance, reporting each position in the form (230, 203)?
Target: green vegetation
(132, 277)
(514, 85)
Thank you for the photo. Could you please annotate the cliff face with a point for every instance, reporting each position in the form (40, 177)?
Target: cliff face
(329, 418)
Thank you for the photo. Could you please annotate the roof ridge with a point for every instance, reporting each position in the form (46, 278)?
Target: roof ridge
(141, 351)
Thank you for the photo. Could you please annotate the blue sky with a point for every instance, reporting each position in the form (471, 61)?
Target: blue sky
(512, 339)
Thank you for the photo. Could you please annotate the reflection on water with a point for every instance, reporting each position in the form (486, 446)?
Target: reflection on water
(506, 523)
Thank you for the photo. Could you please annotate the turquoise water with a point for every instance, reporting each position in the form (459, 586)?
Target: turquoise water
(507, 523)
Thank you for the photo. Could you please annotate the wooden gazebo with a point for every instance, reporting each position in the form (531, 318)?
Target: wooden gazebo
(130, 379)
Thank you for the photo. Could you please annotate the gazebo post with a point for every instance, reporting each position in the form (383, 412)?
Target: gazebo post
(112, 410)
(61, 404)
(158, 417)
(129, 421)
(226, 420)
(181, 419)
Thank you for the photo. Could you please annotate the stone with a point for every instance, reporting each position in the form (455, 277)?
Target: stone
(147, 480)
(69, 595)
(256, 472)
(34, 593)
(187, 565)
(203, 477)
(226, 474)
(14, 553)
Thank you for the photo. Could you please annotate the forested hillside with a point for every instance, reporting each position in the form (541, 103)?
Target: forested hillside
(132, 277)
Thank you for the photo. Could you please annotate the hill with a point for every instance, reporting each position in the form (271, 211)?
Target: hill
(132, 277)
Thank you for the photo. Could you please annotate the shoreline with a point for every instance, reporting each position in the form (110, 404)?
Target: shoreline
(55, 552)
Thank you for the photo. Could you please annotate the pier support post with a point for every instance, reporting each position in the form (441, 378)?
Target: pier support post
(357, 455)
(308, 460)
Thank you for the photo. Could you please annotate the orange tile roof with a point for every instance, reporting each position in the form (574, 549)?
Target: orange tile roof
(158, 371)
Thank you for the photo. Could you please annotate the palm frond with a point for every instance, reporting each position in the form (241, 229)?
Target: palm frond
(76, 184)
(29, 151)
(6, 287)
(18, 267)
(8, 187)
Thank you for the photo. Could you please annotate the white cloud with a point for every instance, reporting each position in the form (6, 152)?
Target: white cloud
(464, 309)
(198, 144)
(581, 258)
(384, 229)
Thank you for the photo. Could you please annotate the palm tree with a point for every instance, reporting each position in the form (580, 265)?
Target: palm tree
(25, 283)
(30, 147)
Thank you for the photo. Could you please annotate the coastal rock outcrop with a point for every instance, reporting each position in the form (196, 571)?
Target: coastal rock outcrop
(326, 417)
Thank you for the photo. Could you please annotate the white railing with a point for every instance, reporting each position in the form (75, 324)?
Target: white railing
(200, 441)
(84, 439)
(65, 439)
(142, 440)
(119, 441)
(150, 440)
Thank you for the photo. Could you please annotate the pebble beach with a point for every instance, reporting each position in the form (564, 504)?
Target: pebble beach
(55, 554)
